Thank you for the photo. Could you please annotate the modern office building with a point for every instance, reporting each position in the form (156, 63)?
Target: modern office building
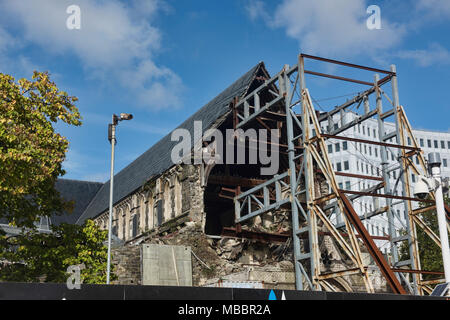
(364, 159)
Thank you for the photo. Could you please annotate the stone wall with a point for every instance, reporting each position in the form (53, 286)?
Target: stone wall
(127, 265)
(217, 259)
(178, 191)
(182, 189)
(192, 191)
(240, 260)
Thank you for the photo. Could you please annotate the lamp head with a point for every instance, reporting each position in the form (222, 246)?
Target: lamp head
(126, 116)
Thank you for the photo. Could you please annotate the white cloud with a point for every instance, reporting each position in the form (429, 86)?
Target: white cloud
(437, 8)
(256, 9)
(97, 177)
(76, 161)
(434, 54)
(134, 125)
(77, 164)
(330, 27)
(6, 40)
(116, 43)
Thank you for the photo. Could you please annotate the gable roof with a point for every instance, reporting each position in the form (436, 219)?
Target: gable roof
(81, 192)
(157, 159)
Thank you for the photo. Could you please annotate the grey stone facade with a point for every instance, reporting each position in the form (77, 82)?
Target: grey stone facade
(177, 193)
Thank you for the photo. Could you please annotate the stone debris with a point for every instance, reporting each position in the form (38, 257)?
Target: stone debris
(236, 259)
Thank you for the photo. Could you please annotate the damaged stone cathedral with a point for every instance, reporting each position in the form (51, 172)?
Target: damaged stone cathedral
(174, 223)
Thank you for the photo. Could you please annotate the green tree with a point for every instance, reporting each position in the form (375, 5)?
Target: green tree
(34, 256)
(31, 151)
(429, 252)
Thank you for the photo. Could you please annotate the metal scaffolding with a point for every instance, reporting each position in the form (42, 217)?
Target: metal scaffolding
(312, 211)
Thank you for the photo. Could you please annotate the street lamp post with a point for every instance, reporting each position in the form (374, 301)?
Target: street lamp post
(421, 190)
(435, 165)
(112, 140)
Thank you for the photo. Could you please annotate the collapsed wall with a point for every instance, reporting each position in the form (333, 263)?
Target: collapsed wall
(237, 260)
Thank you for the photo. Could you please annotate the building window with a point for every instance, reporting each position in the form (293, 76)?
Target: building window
(376, 152)
(338, 166)
(346, 165)
(114, 231)
(168, 210)
(409, 141)
(448, 144)
(344, 145)
(337, 147)
(330, 148)
(158, 213)
(147, 215)
(134, 226)
(124, 224)
(443, 144)
(130, 227)
(429, 143)
(347, 185)
(340, 185)
(421, 143)
(436, 144)
(445, 162)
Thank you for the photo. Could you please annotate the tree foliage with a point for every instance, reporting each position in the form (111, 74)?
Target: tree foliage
(429, 252)
(34, 256)
(31, 151)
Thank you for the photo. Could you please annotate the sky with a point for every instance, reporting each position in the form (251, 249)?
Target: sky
(162, 60)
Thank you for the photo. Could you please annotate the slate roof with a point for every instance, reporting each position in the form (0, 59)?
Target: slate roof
(157, 159)
(81, 192)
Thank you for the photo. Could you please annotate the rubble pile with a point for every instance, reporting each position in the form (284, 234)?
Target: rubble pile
(217, 258)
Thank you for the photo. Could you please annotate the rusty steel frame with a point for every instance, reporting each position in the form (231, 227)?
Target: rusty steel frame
(313, 158)
(264, 237)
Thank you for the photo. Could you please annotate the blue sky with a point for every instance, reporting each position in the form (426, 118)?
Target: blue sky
(163, 59)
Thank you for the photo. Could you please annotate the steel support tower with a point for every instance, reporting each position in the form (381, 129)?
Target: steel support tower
(314, 213)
